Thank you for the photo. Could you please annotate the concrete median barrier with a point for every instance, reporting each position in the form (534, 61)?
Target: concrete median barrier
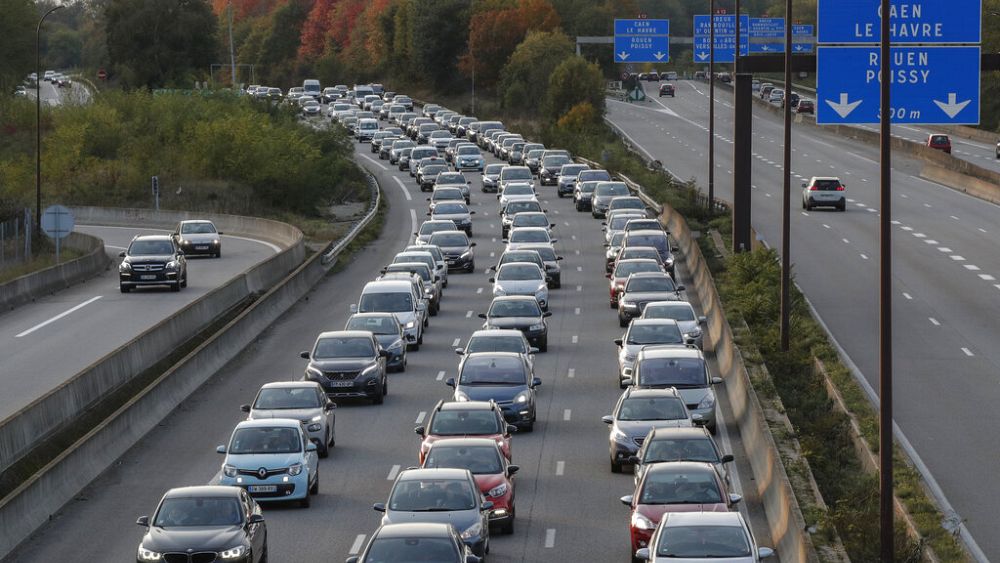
(31, 286)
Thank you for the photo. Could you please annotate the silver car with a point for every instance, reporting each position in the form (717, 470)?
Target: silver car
(428, 228)
(490, 177)
(440, 265)
(689, 537)
(643, 288)
(198, 237)
(521, 278)
(684, 368)
(304, 401)
(636, 413)
(499, 340)
(690, 324)
(642, 333)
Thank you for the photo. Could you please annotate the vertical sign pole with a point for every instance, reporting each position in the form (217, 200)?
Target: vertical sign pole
(786, 195)
(886, 535)
(742, 152)
(711, 106)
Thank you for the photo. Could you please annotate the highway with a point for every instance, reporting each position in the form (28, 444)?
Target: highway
(46, 342)
(54, 96)
(567, 499)
(946, 270)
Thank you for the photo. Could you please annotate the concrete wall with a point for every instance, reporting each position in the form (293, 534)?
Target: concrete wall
(31, 286)
(47, 414)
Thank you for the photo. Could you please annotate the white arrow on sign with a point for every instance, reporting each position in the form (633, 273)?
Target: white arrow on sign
(623, 55)
(798, 47)
(843, 108)
(659, 55)
(953, 107)
(702, 56)
(765, 48)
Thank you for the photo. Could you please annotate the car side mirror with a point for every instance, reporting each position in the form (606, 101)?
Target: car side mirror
(472, 244)
(450, 382)
(488, 505)
(420, 430)
(354, 308)
(532, 350)
(702, 320)
(121, 254)
(555, 240)
(608, 419)
(493, 280)
(559, 258)
(717, 380)
(765, 552)
(142, 521)
(384, 353)
(428, 213)
(512, 469)
(220, 233)
(626, 381)
(378, 507)
(552, 225)
(642, 553)
(690, 341)
(180, 252)
(310, 447)
(428, 199)
(220, 449)
(735, 498)
(536, 381)
(726, 458)
(626, 500)
(803, 184)
(472, 213)
(330, 406)
(482, 315)
(618, 342)
(680, 288)
(460, 351)
(698, 420)
(352, 559)
(304, 354)
(634, 460)
(245, 408)
(547, 314)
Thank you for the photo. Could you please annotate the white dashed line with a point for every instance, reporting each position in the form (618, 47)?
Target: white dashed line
(392, 473)
(580, 268)
(575, 339)
(420, 417)
(934, 321)
(957, 258)
(360, 540)
(968, 352)
(567, 414)
(845, 240)
(571, 372)
(494, 254)
(918, 235)
(971, 268)
(952, 216)
(480, 290)
(560, 468)
(907, 295)
(825, 226)
(440, 375)
(927, 205)
(457, 341)
(941, 248)
(864, 257)
(986, 277)
(930, 241)
(981, 230)
(468, 314)
(550, 538)
(907, 229)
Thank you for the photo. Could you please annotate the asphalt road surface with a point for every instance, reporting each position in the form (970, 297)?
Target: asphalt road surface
(45, 342)
(567, 499)
(946, 276)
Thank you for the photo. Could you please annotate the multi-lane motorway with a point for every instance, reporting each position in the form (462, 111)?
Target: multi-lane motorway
(567, 499)
(946, 276)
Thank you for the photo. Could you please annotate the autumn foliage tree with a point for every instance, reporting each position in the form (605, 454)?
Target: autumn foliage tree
(495, 33)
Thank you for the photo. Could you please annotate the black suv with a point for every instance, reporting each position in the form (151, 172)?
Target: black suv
(152, 260)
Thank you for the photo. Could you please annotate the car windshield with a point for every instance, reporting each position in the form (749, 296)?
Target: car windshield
(827, 185)
(643, 333)
(450, 178)
(516, 207)
(409, 267)
(465, 423)
(555, 161)
(693, 449)
(504, 370)
(287, 398)
(397, 145)
(680, 312)
(429, 228)
(448, 239)
(493, 169)
(517, 256)
(479, 460)
(611, 189)
(572, 169)
(262, 440)
(518, 189)
(672, 372)
(468, 150)
(375, 325)
(422, 152)
(658, 283)
(150, 248)
(658, 242)
(518, 308)
(529, 236)
(516, 174)
(641, 224)
(588, 187)
(393, 302)
(451, 209)
(618, 222)
(626, 203)
(594, 175)
(432, 170)
(519, 272)
(652, 408)
(546, 253)
(440, 135)
(535, 153)
(183, 512)
(639, 253)
(432, 495)
(624, 269)
(495, 344)
(697, 542)
(444, 194)
(410, 549)
(348, 346)
(197, 228)
(669, 487)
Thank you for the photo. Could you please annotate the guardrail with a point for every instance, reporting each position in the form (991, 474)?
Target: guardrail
(33, 503)
(31, 286)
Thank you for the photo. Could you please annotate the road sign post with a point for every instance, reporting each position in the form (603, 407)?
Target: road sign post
(57, 223)
(156, 192)
(642, 41)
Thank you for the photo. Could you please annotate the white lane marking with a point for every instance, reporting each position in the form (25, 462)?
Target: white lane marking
(934, 321)
(468, 314)
(957, 258)
(918, 235)
(392, 473)
(971, 267)
(480, 290)
(413, 219)
(487, 213)
(803, 212)
(571, 372)
(825, 226)
(845, 240)
(576, 311)
(578, 251)
(986, 277)
(580, 287)
(968, 352)
(457, 341)
(403, 187)
(952, 216)
(124, 247)
(996, 285)
(580, 268)
(927, 205)
(440, 375)
(494, 254)
(550, 538)
(567, 414)
(560, 468)
(574, 236)
(358, 541)
(941, 248)
(864, 257)
(576, 339)
(57, 317)
(980, 229)
(557, 211)
(907, 229)
(373, 161)
(494, 239)
(493, 226)
(931, 241)
(272, 246)
(907, 295)
(567, 222)
(420, 417)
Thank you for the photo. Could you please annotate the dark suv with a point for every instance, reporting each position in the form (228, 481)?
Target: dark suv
(348, 364)
(152, 260)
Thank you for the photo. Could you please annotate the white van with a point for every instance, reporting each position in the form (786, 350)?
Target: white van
(396, 297)
(366, 129)
(310, 87)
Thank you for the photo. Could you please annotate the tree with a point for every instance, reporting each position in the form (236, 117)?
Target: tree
(315, 28)
(575, 81)
(439, 33)
(155, 44)
(17, 30)
(495, 33)
(525, 78)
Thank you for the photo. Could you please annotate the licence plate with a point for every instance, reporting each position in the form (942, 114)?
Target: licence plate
(341, 383)
(147, 277)
(201, 247)
(262, 488)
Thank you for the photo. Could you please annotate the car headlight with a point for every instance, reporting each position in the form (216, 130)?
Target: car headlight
(708, 402)
(619, 436)
(629, 305)
(640, 522)
(396, 345)
(313, 372)
(461, 397)
(314, 427)
(233, 552)
(215, 242)
(541, 287)
(125, 267)
(410, 325)
(172, 265)
(538, 326)
(472, 531)
(295, 469)
(498, 491)
(522, 397)
(229, 470)
(693, 334)
(148, 555)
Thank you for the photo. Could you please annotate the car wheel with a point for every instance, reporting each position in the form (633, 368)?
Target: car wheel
(176, 286)
(263, 557)
(322, 449)
(558, 283)
(712, 429)
(809, 206)
(616, 467)
(508, 528)
(434, 310)
(530, 427)
(314, 489)
(613, 304)
(124, 288)
(803, 204)
(378, 398)
(543, 345)
(622, 321)
(560, 194)
(471, 267)
(414, 346)
(445, 284)
(184, 282)
(842, 207)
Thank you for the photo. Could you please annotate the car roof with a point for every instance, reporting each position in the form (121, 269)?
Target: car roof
(650, 274)
(465, 406)
(513, 298)
(152, 237)
(497, 332)
(670, 304)
(467, 442)
(646, 232)
(665, 392)
(641, 322)
(414, 529)
(385, 286)
(291, 384)
(681, 466)
(703, 519)
(188, 221)
(433, 473)
(476, 355)
(269, 423)
(347, 333)
(679, 432)
(814, 178)
(204, 491)
(671, 351)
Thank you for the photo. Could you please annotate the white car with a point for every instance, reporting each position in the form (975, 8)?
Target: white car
(513, 192)
(198, 237)
(521, 278)
(687, 537)
(691, 325)
(822, 191)
(522, 236)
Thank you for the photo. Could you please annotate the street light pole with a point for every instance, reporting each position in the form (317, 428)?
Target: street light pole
(711, 106)
(786, 191)
(38, 123)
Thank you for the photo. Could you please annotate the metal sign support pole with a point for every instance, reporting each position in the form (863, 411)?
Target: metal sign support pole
(886, 531)
(711, 105)
(786, 195)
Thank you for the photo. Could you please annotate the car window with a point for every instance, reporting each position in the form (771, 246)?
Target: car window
(480, 460)
(827, 185)
(387, 550)
(659, 283)
(287, 398)
(677, 372)
(627, 203)
(150, 248)
(516, 174)
(262, 440)
(429, 495)
(493, 168)
(555, 160)
(624, 269)
(394, 302)
(431, 227)
(526, 220)
(468, 150)
(667, 487)
(443, 194)
(515, 207)
(529, 236)
(572, 169)
(197, 228)
(696, 542)
(518, 189)
(460, 423)
(503, 370)
(594, 175)
(449, 239)
(450, 208)
(495, 344)
(691, 449)
(611, 189)
(654, 334)
(348, 346)
(657, 241)
(679, 313)
(652, 408)
(407, 267)
(198, 511)
(519, 272)
(516, 308)
(375, 325)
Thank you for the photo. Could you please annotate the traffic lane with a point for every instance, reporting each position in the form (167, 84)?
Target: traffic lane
(64, 320)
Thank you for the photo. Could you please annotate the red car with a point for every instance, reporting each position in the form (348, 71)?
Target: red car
(492, 471)
(939, 142)
(681, 486)
(468, 419)
(667, 90)
(806, 106)
(622, 270)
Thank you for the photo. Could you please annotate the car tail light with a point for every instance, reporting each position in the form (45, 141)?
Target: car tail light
(840, 188)
(813, 188)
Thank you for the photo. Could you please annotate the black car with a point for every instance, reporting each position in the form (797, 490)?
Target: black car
(457, 249)
(548, 169)
(423, 541)
(506, 378)
(206, 523)
(520, 312)
(348, 364)
(667, 90)
(513, 208)
(152, 260)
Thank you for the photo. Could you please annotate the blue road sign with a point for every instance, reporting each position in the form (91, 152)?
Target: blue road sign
(931, 85)
(802, 30)
(642, 27)
(912, 21)
(767, 27)
(725, 38)
(642, 49)
(801, 48)
(775, 47)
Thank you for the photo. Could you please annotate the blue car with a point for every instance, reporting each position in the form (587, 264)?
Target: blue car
(273, 460)
(468, 158)
(507, 378)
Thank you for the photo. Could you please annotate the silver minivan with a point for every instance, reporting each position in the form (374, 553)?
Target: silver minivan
(399, 298)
